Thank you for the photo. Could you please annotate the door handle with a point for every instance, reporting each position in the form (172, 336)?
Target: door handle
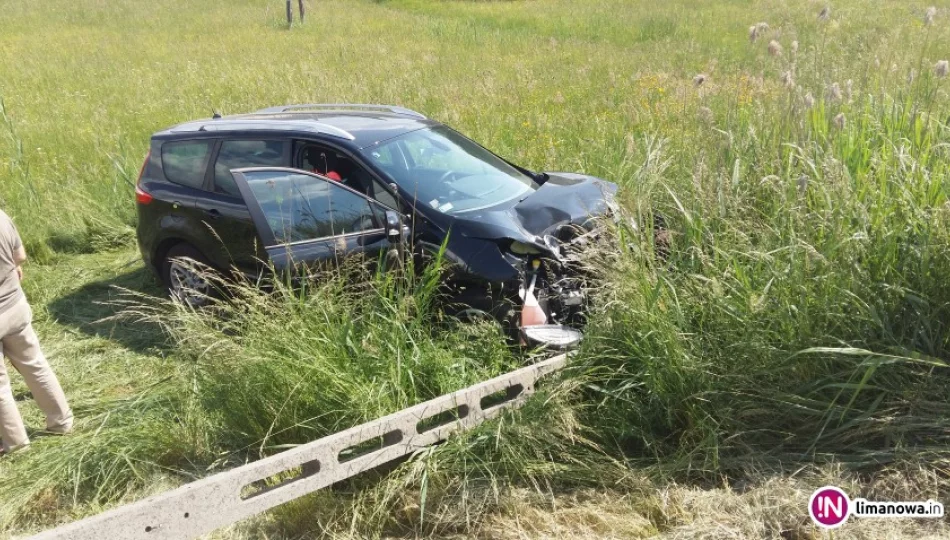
(213, 213)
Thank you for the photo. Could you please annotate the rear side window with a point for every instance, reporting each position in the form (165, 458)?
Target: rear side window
(240, 154)
(185, 162)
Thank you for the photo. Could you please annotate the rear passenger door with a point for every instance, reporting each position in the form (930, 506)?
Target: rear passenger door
(305, 219)
(235, 240)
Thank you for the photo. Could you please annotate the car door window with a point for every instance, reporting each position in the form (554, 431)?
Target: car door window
(338, 167)
(242, 153)
(185, 162)
(299, 207)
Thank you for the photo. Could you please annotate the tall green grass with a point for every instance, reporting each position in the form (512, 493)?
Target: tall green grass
(804, 314)
(812, 325)
(258, 373)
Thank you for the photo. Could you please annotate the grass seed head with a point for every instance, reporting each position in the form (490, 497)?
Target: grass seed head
(809, 100)
(758, 30)
(698, 80)
(849, 89)
(802, 182)
(775, 48)
(834, 92)
(794, 47)
(706, 115)
(825, 14)
(942, 69)
(788, 79)
(929, 15)
(840, 121)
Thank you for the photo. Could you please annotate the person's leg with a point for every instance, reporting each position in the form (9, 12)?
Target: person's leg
(12, 433)
(22, 347)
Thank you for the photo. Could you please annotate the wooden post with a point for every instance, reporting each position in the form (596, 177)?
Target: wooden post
(290, 13)
(300, 3)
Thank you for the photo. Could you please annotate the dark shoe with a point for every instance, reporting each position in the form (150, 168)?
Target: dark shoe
(59, 430)
(21, 448)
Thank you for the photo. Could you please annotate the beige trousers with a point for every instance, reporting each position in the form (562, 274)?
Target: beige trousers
(18, 342)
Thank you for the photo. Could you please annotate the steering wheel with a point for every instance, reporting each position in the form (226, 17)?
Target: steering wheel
(445, 176)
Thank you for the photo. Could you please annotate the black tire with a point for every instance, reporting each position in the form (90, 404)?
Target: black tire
(181, 280)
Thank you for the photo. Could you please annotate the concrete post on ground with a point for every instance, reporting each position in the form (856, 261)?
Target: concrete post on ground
(225, 498)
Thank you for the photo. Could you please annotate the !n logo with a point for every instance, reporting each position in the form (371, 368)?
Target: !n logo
(829, 507)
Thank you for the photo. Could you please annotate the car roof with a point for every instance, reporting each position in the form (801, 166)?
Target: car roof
(357, 125)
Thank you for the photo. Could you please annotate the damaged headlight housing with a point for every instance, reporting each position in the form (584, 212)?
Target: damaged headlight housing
(553, 244)
(548, 246)
(613, 207)
(520, 248)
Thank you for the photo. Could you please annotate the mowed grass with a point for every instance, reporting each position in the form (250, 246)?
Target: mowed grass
(801, 321)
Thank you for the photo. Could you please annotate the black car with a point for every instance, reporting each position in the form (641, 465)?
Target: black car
(291, 186)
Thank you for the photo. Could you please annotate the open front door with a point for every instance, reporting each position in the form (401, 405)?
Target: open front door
(306, 219)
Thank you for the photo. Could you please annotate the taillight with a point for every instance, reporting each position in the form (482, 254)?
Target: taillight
(142, 196)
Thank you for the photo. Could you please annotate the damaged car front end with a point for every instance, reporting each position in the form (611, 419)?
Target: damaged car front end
(524, 263)
(510, 235)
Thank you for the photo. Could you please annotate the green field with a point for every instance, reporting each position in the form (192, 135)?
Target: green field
(798, 335)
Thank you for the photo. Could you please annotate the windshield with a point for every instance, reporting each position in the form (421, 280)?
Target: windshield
(448, 172)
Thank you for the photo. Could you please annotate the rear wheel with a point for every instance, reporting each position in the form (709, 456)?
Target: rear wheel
(184, 271)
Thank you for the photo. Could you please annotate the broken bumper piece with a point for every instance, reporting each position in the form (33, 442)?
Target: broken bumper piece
(551, 335)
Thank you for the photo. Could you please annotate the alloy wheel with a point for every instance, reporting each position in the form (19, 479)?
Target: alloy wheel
(188, 285)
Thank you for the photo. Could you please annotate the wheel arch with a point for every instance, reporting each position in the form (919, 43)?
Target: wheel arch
(162, 250)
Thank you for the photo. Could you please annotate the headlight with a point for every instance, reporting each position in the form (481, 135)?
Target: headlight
(520, 248)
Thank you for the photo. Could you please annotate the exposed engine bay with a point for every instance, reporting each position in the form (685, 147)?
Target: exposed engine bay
(556, 283)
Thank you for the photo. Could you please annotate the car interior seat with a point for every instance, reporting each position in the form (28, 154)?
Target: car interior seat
(322, 162)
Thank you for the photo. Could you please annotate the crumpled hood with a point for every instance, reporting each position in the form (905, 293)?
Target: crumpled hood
(565, 198)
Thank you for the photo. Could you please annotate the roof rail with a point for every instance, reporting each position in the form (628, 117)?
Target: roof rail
(339, 107)
(254, 124)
